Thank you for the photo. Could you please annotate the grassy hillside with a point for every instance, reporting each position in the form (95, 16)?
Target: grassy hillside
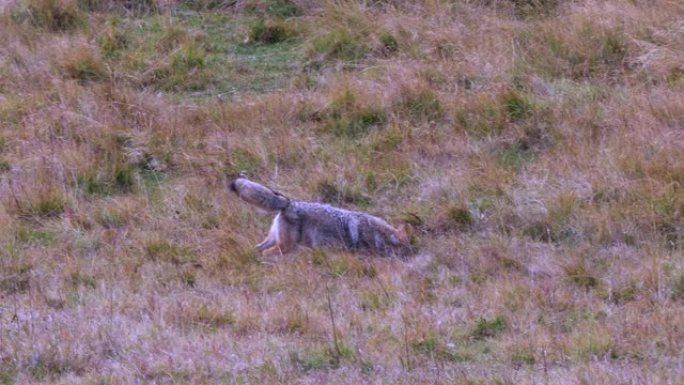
(535, 146)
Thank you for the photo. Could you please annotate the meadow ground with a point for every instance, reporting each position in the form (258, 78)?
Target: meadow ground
(535, 146)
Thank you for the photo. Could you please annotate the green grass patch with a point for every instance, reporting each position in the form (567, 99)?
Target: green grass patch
(626, 293)
(203, 54)
(96, 182)
(78, 280)
(580, 275)
(136, 8)
(112, 42)
(432, 346)
(420, 104)
(459, 216)
(677, 286)
(355, 124)
(110, 219)
(388, 42)
(5, 166)
(373, 301)
(161, 250)
(184, 71)
(206, 5)
(83, 64)
(12, 110)
(339, 44)
(329, 192)
(243, 160)
(271, 31)
(50, 15)
(213, 318)
(29, 235)
(522, 356)
(350, 115)
(486, 328)
(550, 231)
(514, 157)
(583, 50)
(325, 358)
(8, 373)
(49, 203)
(517, 105)
(534, 8)
(282, 8)
(480, 115)
(16, 279)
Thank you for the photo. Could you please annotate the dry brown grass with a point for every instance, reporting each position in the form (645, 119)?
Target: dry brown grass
(541, 168)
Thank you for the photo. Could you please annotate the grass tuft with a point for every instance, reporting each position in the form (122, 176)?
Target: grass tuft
(17, 280)
(45, 204)
(325, 358)
(514, 156)
(283, 8)
(5, 166)
(522, 357)
(487, 328)
(677, 284)
(339, 44)
(84, 64)
(213, 318)
(138, 8)
(328, 192)
(8, 373)
(113, 41)
(419, 104)
(30, 235)
(389, 43)
(534, 8)
(480, 115)
(207, 5)
(271, 31)
(517, 105)
(163, 251)
(242, 159)
(52, 15)
(351, 115)
(581, 276)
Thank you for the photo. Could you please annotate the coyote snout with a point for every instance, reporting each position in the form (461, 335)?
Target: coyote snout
(318, 225)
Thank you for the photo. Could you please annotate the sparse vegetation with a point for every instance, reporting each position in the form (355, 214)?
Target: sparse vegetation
(339, 44)
(540, 171)
(51, 15)
(270, 31)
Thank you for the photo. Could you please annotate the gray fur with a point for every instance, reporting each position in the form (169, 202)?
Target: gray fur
(317, 225)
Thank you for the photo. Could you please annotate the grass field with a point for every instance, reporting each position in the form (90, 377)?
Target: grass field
(536, 147)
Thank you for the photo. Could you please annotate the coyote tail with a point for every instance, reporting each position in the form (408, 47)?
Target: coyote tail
(258, 195)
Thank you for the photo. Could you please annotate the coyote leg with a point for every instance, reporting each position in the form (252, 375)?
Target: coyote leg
(273, 237)
(278, 249)
(266, 244)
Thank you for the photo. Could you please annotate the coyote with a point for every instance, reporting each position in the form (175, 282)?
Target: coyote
(318, 225)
